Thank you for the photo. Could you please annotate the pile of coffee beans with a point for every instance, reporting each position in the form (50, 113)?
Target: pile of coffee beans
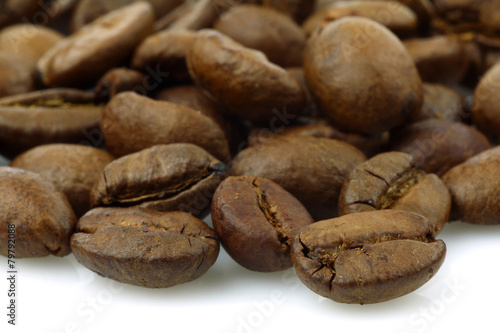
(335, 137)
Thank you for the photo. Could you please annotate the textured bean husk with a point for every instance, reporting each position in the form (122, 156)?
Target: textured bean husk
(311, 169)
(243, 79)
(391, 181)
(47, 116)
(266, 30)
(41, 213)
(144, 247)
(367, 257)
(164, 177)
(257, 221)
(475, 189)
(369, 97)
(436, 145)
(131, 122)
(72, 168)
(396, 17)
(83, 57)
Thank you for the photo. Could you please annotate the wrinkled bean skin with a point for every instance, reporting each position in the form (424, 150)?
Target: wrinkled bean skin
(41, 213)
(475, 190)
(145, 247)
(257, 221)
(367, 257)
(391, 181)
(164, 177)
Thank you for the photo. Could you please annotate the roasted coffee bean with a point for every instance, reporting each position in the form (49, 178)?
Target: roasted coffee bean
(436, 145)
(439, 58)
(486, 111)
(401, 20)
(28, 42)
(257, 221)
(311, 169)
(469, 15)
(13, 11)
(297, 9)
(144, 247)
(82, 58)
(89, 10)
(119, 80)
(266, 30)
(72, 168)
(165, 52)
(368, 144)
(132, 122)
(440, 102)
(16, 78)
(41, 214)
(243, 79)
(48, 116)
(192, 97)
(192, 15)
(391, 181)
(475, 188)
(164, 177)
(368, 257)
(366, 84)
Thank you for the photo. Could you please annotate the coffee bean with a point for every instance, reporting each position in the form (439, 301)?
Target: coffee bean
(354, 68)
(475, 189)
(247, 83)
(15, 10)
(48, 116)
(164, 177)
(118, 80)
(41, 213)
(437, 145)
(132, 122)
(144, 247)
(486, 111)
(440, 102)
(80, 59)
(297, 9)
(72, 168)
(469, 15)
(391, 181)
(367, 257)
(257, 221)
(192, 15)
(311, 169)
(266, 30)
(16, 78)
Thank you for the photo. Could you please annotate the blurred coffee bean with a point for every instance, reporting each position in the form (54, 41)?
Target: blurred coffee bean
(119, 80)
(486, 111)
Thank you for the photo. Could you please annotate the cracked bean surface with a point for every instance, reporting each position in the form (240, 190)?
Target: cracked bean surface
(367, 257)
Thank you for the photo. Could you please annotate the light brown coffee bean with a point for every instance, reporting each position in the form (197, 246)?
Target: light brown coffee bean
(16, 77)
(441, 102)
(119, 80)
(486, 111)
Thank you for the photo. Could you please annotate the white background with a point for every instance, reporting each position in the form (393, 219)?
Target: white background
(58, 295)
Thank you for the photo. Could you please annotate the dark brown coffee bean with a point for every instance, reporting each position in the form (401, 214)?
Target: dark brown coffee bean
(398, 18)
(192, 15)
(16, 77)
(118, 80)
(132, 122)
(144, 247)
(475, 188)
(469, 15)
(43, 218)
(311, 169)
(440, 102)
(13, 11)
(436, 145)
(368, 257)
(165, 52)
(297, 9)
(266, 30)
(87, 11)
(28, 42)
(48, 116)
(72, 168)
(83, 57)
(243, 79)
(192, 97)
(257, 221)
(486, 110)
(354, 66)
(164, 177)
(391, 181)
(439, 59)
(368, 144)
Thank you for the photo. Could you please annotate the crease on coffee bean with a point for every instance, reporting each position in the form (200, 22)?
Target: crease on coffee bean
(400, 187)
(270, 212)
